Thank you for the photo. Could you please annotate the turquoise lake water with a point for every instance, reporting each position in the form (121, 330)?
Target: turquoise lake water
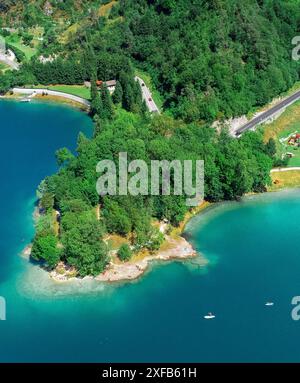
(252, 252)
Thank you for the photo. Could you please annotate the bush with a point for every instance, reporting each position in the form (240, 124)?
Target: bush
(124, 253)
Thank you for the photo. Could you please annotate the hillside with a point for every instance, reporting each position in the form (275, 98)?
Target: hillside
(208, 59)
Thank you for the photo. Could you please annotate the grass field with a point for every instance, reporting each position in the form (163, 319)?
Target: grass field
(66, 35)
(283, 127)
(15, 41)
(105, 9)
(76, 90)
(288, 179)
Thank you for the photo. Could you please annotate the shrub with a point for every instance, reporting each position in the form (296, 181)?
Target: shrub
(124, 253)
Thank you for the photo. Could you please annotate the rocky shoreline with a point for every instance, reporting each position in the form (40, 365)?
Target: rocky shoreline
(177, 248)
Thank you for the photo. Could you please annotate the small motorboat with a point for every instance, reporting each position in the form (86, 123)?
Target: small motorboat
(25, 100)
(209, 316)
(269, 304)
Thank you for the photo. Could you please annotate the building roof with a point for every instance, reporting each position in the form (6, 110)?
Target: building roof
(111, 83)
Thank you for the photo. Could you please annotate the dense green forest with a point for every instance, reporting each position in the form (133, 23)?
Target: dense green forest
(232, 168)
(208, 59)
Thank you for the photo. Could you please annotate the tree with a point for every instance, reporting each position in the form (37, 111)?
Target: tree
(83, 245)
(107, 106)
(271, 147)
(5, 83)
(118, 93)
(45, 248)
(96, 101)
(124, 252)
(63, 156)
(97, 125)
(47, 201)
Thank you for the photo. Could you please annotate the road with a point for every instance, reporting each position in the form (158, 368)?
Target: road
(29, 91)
(12, 64)
(147, 96)
(269, 113)
(285, 169)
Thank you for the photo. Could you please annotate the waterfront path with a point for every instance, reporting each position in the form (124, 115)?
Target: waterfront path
(147, 96)
(47, 92)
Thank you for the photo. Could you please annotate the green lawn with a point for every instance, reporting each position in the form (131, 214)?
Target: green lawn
(281, 180)
(285, 125)
(15, 41)
(283, 148)
(76, 90)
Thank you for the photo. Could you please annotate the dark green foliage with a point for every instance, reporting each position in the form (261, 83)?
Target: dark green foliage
(47, 201)
(16, 78)
(212, 59)
(5, 83)
(83, 245)
(45, 248)
(71, 71)
(63, 156)
(124, 253)
(118, 93)
(209, 59)
(27, 38)
(116, 217)
(107, 106)
(232, 167)
(271, 147)
(96, 104)
(131, 93)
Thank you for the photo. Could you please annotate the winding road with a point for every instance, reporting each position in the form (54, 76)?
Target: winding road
(263, 117)
(147, 96)
(12, 64)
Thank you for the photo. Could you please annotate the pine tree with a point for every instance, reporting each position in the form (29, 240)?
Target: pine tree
(97, 126)
(96, 104)
(107, 106)
(118, 93)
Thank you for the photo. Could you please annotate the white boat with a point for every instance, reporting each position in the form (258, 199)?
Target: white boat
(269, 304)
(209, 316)
(25, 100)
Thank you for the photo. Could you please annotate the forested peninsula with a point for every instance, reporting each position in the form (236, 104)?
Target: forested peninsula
(203, 60)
